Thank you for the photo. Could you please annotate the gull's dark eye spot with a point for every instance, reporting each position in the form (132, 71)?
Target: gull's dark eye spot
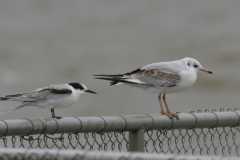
(188, 64)
(195, 66)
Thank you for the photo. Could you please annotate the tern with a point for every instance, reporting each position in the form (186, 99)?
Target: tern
(51, 97)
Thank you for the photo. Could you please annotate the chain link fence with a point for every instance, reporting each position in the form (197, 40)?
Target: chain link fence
(81, 141)
(207, 133)
(215, 141)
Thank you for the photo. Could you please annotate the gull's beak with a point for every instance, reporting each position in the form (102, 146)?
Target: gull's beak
(206, 70)
(89, 91)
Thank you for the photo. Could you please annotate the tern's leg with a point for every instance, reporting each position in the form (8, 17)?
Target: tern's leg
(164, 100)
(162, 111)
(53, 114)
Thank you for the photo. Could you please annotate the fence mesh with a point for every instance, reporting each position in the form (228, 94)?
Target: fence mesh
(223, 141)
(216, 141)
(85, 141)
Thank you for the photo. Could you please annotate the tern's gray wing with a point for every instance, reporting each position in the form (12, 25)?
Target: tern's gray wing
(40, 94)
(18, 97)
(50, 92)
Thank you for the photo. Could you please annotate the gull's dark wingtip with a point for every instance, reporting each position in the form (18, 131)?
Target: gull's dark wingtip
(113, 81)
(104, 78)
(109, 75)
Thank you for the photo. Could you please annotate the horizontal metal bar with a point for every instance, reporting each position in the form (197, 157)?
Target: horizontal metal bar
(118, 123)
(42, 154)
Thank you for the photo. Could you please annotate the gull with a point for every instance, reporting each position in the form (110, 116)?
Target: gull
(53, 96)
(161, 78)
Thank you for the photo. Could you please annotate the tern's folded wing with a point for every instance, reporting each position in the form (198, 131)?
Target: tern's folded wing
(49, 93)
(18, 97)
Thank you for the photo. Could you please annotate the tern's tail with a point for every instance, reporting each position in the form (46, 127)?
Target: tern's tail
(15, 108)
(4, 98)
(18, 98)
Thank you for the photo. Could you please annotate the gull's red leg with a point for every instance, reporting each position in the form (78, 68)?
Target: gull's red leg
(162, 111)
(168, 111)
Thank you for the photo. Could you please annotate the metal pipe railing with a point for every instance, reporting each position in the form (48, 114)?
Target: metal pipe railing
(118, 123)
(42, 154)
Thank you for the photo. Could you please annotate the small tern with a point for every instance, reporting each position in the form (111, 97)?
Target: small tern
(161, 78)
(53, 96)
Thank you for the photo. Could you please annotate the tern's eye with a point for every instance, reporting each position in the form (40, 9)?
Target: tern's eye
(195, 66)
(188, 64)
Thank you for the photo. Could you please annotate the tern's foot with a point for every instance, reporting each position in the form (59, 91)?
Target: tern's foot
(171, 115)
(57, 117)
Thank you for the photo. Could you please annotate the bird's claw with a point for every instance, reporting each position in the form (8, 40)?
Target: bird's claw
(57, 117)
(171, 115)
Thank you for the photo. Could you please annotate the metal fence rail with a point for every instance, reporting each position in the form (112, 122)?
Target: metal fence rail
(36, 154)
(209, 133)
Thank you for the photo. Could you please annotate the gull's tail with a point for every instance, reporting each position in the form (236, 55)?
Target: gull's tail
(116, 79)
(121, 78)
(110, 75)
(15, 108)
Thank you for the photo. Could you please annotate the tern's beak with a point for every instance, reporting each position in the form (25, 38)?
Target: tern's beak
(89, 91)
(206, 70)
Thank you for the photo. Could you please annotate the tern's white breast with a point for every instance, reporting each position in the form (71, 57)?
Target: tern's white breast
(58, 102)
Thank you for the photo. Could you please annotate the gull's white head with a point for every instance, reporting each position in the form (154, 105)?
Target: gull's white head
(80, 88)
(194, 65)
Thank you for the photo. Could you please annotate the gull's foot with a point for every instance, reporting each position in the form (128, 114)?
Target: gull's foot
(171, 115)
(57, 117)
(174, 115)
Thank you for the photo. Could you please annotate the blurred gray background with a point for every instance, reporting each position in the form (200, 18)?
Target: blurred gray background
(53, 42)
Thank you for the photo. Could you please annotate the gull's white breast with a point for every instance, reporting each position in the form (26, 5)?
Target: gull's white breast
(188, 78)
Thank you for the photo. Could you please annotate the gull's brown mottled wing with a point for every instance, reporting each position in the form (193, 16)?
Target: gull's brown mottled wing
(155, 74)
(157, 77)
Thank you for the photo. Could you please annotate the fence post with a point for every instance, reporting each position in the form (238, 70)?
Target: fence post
(136, 140)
